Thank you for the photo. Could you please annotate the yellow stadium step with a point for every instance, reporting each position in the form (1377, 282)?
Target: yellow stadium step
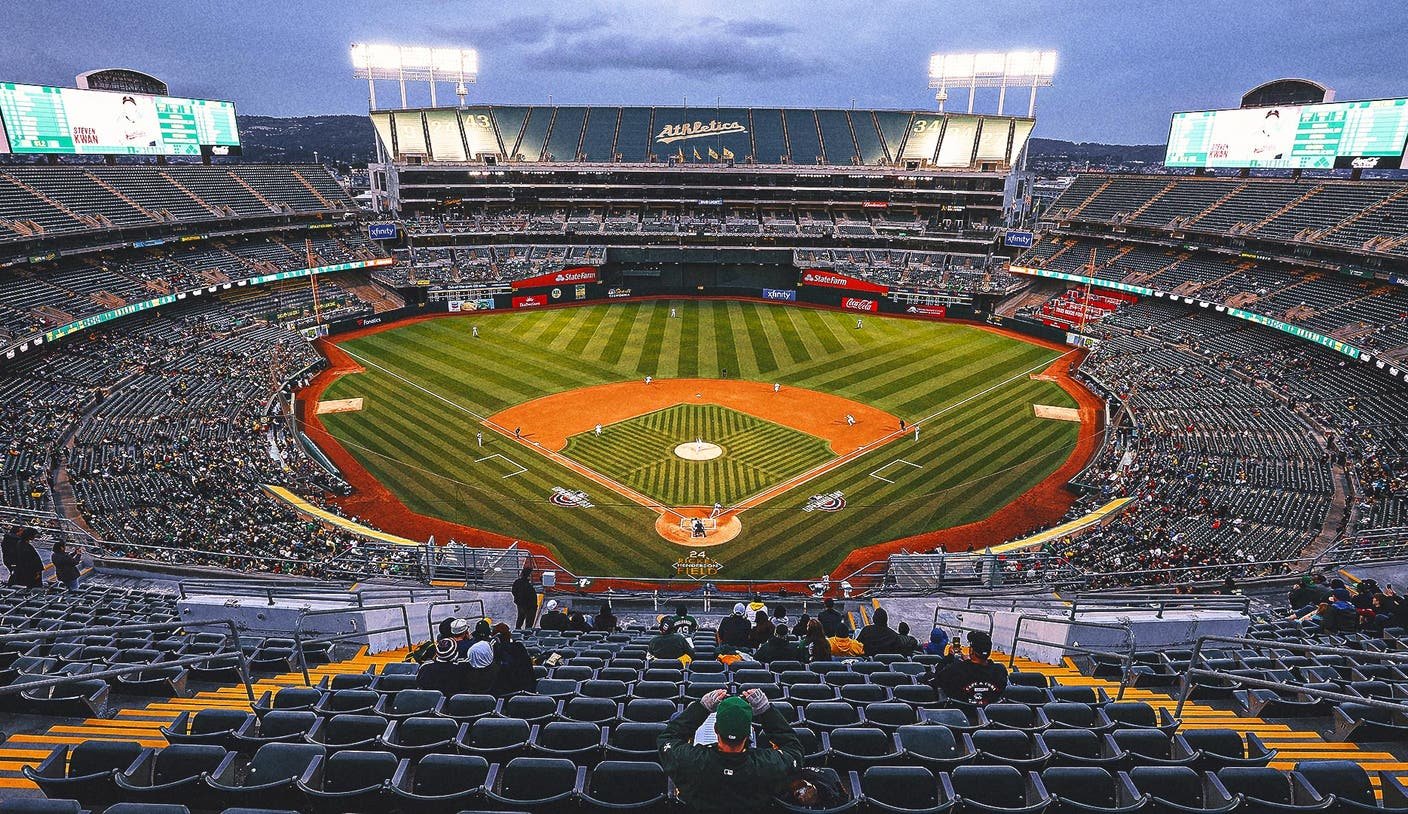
(142, 724)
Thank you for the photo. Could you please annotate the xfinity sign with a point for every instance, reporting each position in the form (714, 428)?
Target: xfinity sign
(381, 231)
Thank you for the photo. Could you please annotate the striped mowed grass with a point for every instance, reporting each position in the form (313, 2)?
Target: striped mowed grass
(429, 384)
(639, 452)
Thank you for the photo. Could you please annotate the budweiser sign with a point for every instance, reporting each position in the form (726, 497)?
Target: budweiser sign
(671, 133)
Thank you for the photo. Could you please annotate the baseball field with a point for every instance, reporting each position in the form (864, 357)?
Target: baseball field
(542, 428)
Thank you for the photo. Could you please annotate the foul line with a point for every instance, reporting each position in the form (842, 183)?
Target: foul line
(586, 472)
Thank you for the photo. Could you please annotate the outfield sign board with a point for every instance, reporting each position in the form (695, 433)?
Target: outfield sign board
(831, 279)
(1017, 239)
(530, 301)
(860, 304)
(783, 294)
(381, 231)
(1337, 135)
(583, 274)
(937, 311)
(40, 119)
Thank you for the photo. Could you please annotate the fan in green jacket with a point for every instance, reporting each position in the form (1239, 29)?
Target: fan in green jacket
(729, 777)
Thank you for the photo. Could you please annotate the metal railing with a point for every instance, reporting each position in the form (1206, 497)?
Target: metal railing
(962, 623)
(330, 592)
(1125, 657)
(458, 605)
(1194, 672)
(232, 640)
(299, 641)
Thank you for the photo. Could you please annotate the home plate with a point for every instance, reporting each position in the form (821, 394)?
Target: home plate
(340, 406)
(1056, 413)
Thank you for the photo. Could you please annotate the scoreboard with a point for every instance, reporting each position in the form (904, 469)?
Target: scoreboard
(1346, 135)
(43, 119)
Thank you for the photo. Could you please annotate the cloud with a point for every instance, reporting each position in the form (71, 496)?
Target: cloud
(699, 48)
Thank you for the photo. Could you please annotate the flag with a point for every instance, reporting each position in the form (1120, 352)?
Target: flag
(713, 155)
(728, 154)
(696, 154)
(680, 155)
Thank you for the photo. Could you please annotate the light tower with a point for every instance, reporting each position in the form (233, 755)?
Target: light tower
(401, 63)
(1013, 69)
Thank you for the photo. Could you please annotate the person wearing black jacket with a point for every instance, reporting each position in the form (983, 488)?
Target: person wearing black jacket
(734, 629)
(878, 638)
(28, 570)
(973, 679)
(833, 621)
(515, 666)
(8, 547)
(445, 673)
(525, 598)
(66, 564)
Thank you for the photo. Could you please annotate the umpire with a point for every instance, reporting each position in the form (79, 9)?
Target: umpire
(728, 777)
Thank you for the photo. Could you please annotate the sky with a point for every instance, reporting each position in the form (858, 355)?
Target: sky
(1124, 66)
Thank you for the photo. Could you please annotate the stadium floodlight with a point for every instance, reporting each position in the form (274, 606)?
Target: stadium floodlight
(1013, 69)
(417, 63)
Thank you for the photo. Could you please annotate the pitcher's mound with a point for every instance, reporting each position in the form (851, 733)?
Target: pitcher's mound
(718, 532)
(699, 451)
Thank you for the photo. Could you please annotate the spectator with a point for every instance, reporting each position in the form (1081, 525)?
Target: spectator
(762, 629)
(1306, 596)
(9, 546)
(683, 623)
(818, 648)
(578, 622)
(734, 629)
(974, 679)
(553, 617)
(482, 670)
(66, 564)
(459, 632)
(878, 638)
(804, 623)
(833, 621)
(525, 598)
(444, 673)
(727, 777)
(515, 666)
(28, 570)
(779, 647)
(908, 644)
(779, 616)
(483, 631)
(667, 644)
(605, 620)
(938, 642)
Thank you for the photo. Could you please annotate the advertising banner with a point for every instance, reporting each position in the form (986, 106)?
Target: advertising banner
(783, 294)
(936, 311)
(618, 293)
(831, 279)
(381, 231)
(858, 304)
(583, 274)
(530, 301)
(1017, 240)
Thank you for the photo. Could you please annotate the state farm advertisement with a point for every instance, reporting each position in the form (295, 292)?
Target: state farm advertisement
(530, 301)
(936, 311)
(583, 274)
(858, 304)
(831, 279)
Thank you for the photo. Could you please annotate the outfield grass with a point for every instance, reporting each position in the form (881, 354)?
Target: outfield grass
(983, 448)
(639, 452)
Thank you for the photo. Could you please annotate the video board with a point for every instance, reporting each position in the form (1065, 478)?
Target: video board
(1345, 135)
(38, 119)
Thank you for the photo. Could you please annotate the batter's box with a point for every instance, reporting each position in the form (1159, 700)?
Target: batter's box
(898, 461)
(509, 465)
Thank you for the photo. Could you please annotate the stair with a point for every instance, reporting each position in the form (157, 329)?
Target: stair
(314, 190)
(1212, 206)
(1323, 233)
(123, 197)
(143, 724)
(1298, 200)
(1140, 209)
(1070, 215)
(86, 220)
(1292, 745)
(273, 207)
(213, 210)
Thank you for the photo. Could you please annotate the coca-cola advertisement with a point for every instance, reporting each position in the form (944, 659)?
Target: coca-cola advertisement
(858, 304)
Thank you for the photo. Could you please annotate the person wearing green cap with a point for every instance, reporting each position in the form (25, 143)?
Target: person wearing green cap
(728, 776)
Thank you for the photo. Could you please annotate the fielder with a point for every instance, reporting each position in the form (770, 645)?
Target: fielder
(672, 313)
(850, 420)
(857, 324)
(474, 331)
(916, 432)
(776, 386)
(649, 379)
(479, 438)
(598, 431)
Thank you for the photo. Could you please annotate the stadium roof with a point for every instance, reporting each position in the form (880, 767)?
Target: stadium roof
(703, 136)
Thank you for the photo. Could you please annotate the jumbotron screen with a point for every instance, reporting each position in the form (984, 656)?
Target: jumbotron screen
(43, 119)
(1345, 135)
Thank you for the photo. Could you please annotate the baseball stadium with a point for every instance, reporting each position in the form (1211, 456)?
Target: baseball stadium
(702, 399)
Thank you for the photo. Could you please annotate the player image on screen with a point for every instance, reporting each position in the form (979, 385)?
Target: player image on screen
(1269, 142)
(137, 129)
